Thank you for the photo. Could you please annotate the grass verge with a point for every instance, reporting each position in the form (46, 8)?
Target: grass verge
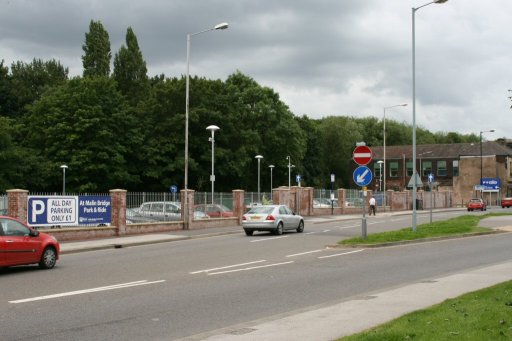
(452, 227)
(481, 315)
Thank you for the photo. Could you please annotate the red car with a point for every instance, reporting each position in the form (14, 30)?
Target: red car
(214, 210)
(22, 245)
(506, 202)
(476, 204)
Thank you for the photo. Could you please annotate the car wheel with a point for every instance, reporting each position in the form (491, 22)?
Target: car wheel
(300, 229)
(279, 229)
(249, 232)
(48, 259)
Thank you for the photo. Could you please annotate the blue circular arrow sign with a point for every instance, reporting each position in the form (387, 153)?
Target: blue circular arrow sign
(363, 176)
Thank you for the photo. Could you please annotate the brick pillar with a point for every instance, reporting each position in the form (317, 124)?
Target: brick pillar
(189, 196)
(118, 218)
(238, 204)
(17, 201)
(342, 197)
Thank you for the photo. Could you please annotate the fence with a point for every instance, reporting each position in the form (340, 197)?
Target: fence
(3, 204)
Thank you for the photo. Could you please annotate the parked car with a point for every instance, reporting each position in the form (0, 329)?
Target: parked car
(20, 244)
(273, 218)
(200, 215)
(476, 204)
(214, 210)
(154, 211)
(506, 202)
(321, 203)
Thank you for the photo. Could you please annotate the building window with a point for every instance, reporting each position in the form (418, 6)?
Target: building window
(376, 169)
(393, 169)
(426, 168)
(441, 168)
(409, 168)
(455, 166)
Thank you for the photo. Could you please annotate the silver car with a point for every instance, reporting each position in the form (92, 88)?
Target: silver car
(273, 218)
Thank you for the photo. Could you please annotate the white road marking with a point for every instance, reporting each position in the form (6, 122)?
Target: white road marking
(304, 253)
(252, 268)
(340, 254)
(326, 231)
(86, 291)
(267, 239)
(310, 233)
(227, 267)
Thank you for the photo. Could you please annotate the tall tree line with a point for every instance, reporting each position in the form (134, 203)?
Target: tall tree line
(122, 129)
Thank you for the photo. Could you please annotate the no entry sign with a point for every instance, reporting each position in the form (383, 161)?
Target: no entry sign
(362, 155)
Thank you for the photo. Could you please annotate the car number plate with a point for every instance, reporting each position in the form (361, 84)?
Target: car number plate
(255, 218)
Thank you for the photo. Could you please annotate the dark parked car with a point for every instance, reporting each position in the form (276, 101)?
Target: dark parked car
(20, 244)
(476, 204)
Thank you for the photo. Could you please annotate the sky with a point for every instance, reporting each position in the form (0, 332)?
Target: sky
(323, 57)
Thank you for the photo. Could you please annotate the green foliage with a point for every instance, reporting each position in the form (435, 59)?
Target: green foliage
(97, 55)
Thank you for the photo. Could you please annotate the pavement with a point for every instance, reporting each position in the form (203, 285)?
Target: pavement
(337, 319)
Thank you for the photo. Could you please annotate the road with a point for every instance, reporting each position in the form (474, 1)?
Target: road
(176, 290)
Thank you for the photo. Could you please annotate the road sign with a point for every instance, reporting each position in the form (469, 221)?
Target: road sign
(173, 189)
(362, 155)
(297, 178)
(430, 178)
(362, 176)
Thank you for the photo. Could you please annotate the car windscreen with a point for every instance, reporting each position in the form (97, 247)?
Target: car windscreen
(260, 209)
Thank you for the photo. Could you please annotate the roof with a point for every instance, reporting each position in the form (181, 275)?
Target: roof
(443, 151)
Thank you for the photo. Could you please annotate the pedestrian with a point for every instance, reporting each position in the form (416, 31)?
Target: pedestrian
(372, 205)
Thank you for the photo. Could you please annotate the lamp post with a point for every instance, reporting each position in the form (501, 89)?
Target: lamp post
(384, 145)
(259, 157)
(481, 157)
(212, 128)
(414, 174)
(221, 26)
(271, 187)
(64, 167)
(290, 166)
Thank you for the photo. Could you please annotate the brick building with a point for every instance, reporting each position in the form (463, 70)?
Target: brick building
(456, 167)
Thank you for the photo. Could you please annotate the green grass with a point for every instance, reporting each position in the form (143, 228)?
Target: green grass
(451, 227)
(481, 315)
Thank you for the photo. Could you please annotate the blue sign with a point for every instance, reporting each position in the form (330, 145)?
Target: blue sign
(490, 183)
(69, 210)
(430, 178)
(297, 178)
(362, 176)
(174, 189)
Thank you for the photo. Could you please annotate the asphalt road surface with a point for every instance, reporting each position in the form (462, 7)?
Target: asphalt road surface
(189, 288)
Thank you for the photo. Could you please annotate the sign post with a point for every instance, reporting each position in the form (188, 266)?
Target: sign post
(363, 176)
(430, 181)
(332, 193)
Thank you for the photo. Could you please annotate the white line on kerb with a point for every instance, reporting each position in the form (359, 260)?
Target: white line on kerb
(340, 254)
(227, 267)
(304, 253)
(86, 291)
(252, 268)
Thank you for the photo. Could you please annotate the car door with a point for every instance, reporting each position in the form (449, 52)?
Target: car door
(19, 247)
(293, 220)
(284, 215)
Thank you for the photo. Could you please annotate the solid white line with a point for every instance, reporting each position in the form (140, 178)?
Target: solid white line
(86, 291)
(304, 253)
(252, 268)
(267, 239)
(340, 254)
(227, 267)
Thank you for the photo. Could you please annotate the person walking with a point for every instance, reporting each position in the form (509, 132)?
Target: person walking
(372, 205)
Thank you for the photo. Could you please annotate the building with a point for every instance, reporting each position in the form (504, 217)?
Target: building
(456, 167)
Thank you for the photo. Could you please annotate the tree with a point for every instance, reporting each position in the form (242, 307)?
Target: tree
(96, 58)
(130, 69)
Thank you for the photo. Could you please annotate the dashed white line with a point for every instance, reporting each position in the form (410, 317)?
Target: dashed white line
(304, 253)
(267, 239)
(251, 268)
(340, 254)
(86, 291)
(227, 267)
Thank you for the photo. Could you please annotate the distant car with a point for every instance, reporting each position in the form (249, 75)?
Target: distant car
(273, 218)
(152, 211)
(214, 210)
(476, 204)
(321, 203)
(506, 202)
(20, 244)
(200, 215)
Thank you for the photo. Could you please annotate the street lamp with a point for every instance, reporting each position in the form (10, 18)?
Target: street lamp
(212, 128)
(380, 162)
(481, 157)
(271, 188)
(259, 157)
(64, 167)
(384, 145)
(221, 26)
(414, 174)
(290, 166)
